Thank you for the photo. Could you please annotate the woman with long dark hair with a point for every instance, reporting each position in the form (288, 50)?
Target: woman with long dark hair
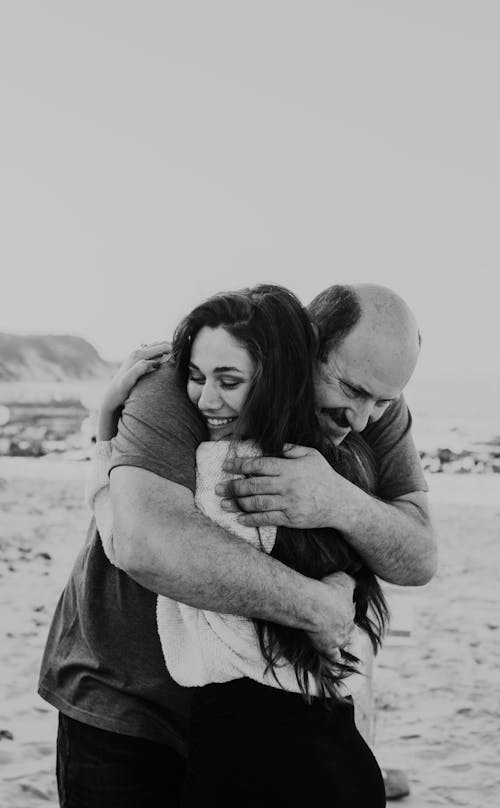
(271, 719)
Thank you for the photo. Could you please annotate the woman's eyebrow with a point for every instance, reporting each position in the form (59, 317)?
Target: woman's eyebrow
(220, 369)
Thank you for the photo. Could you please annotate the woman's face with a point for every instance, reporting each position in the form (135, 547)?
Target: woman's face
(220, 376)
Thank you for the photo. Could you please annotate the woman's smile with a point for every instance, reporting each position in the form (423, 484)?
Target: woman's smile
(214, 422)
(220, 377)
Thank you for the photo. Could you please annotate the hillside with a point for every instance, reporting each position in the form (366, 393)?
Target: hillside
(49, 358)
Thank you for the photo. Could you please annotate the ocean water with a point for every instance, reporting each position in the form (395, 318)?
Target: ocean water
(455, 413)
(454, 432)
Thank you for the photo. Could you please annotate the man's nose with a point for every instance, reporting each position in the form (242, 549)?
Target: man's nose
(210, 398)
(359, 414)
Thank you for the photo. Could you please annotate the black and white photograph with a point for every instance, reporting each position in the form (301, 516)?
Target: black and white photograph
(249, 403)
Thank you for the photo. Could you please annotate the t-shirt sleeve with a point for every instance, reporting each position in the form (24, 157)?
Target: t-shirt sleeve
(159, 429)
(398, 464)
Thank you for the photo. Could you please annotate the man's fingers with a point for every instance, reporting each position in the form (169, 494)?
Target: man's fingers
(265, 519)
(340, 579)
(225, 489)
(346, 646)
(230, 506)
(335, 655)
(258, 504)
(259, 466)
(247, 487)
(292, 450)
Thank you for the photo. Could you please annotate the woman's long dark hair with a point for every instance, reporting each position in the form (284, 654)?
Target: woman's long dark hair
(272, 325)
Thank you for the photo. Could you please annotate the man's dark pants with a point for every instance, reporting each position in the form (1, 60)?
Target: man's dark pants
(138, 773)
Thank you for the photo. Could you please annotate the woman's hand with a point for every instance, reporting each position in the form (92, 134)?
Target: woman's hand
(143, 360)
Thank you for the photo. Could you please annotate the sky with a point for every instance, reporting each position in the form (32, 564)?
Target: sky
(153, 152)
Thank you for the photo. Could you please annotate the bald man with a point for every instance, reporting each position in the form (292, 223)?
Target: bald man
(368, 345)
(124, 722)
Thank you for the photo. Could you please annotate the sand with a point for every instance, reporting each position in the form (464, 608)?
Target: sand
(437, 697)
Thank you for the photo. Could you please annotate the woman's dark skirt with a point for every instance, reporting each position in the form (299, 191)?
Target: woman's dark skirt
(258, 746)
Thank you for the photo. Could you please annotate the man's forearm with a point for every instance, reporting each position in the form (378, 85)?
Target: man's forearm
(395, 539)
(210, 569)
(303, 491)
(164, 543)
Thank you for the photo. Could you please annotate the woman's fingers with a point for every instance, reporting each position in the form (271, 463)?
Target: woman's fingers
(143, 360)
(157, 350)
(139, 369)
(127, 377)
(153, 349)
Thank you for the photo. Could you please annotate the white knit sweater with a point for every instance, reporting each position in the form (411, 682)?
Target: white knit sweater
(200, 646)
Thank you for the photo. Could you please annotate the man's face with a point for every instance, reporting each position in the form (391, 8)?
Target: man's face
(361, 378)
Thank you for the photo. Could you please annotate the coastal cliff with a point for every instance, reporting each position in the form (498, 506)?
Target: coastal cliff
(49, 358)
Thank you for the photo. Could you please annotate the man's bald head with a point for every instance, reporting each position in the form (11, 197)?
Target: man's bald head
(368, 344)
(385, 311)
(338, 310)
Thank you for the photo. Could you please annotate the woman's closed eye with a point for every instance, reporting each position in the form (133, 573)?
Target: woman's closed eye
(196, 378)
(225, 383)
(230, 384)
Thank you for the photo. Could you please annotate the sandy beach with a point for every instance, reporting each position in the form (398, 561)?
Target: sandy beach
(438, 703)
(437, 697)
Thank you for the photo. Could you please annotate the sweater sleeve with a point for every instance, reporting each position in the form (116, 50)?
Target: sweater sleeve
(98, 497)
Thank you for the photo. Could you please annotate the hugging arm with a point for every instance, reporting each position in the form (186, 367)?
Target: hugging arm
(392, 532)
(163, 541)
(395, 538)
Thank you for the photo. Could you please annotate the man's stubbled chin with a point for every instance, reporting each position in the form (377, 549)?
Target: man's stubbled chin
(332, 429)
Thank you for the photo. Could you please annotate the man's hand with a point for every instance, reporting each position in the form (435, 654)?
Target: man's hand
(295, 491)
(338, 612)
(301, 490)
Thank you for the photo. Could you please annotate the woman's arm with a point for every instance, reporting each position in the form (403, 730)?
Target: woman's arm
(143, 360)
(98, 497)
(97, 493)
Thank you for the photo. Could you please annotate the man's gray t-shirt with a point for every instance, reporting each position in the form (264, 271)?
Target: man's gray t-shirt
(398, 466)
(103, 663)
